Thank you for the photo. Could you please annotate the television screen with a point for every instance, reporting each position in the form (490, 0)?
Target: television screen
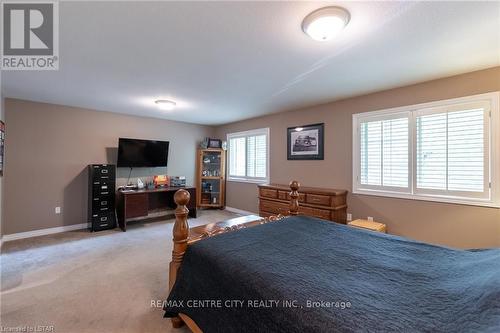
(134, 153)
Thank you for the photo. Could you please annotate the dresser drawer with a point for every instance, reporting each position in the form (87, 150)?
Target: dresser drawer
(302, 197)
(318, 199)
(283, 195)
(315, 212)
(274, 207)
(268, 193)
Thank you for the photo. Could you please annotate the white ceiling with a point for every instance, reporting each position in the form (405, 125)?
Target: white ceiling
(227, 61)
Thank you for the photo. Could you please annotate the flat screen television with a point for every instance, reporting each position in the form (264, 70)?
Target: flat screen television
(135, 153)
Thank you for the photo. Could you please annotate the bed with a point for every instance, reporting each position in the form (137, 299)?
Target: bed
(303, 274)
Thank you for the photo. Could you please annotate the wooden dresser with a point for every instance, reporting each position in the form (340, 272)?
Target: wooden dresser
(327, 204)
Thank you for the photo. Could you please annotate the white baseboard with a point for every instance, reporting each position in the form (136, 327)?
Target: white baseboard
(240, 211)
(41, 232)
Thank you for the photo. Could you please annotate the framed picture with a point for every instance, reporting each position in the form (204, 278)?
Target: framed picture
(305, 142)
(214, 143)
(2, 145)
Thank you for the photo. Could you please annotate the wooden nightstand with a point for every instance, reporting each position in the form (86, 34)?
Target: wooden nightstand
(370, 225)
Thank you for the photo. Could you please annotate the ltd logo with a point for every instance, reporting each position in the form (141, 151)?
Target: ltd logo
(30, 36)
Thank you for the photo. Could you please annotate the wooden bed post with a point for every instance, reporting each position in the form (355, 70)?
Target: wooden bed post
(181, 236)
(294, 201)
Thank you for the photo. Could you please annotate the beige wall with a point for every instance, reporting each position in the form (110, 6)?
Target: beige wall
(49, 147)
(447, 224)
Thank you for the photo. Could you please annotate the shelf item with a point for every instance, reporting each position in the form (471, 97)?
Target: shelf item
(211, 178)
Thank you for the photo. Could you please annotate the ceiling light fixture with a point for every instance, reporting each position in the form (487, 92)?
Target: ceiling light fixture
(165, 104)
(325, 23)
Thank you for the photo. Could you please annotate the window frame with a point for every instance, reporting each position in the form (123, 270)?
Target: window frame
(245, 134)
(492, 158)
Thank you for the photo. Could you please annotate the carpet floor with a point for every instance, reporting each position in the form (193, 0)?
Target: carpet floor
(79, 281)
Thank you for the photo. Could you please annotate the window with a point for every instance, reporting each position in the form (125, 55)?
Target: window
(440, 151)
(249, 155)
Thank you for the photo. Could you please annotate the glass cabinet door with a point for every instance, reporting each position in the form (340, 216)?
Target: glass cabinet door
(211, 178)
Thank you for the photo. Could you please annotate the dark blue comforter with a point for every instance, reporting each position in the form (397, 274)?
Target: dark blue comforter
(303, 274)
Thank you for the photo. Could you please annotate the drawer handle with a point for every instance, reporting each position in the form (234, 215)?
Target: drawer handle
(103, 225)
(104, 203)
(104, 177)
(104, 219)
(104, 208)
(95, 215)
(104, 171)
(104, 193)
(105, 187)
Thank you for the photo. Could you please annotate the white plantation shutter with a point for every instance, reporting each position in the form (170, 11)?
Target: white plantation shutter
(445, 151)
(452, 150)
(248, 155)
(237, 157)
(384, 152)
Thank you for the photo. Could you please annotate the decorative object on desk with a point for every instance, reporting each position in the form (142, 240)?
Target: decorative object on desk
(161, 180)
(150, 185)
(215, 143)
(204, 143)
(305, 142)
(211, 178)
(178, 181)
(2, 145)
(140, 184)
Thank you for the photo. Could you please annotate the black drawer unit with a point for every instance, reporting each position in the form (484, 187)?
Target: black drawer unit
(101, 214)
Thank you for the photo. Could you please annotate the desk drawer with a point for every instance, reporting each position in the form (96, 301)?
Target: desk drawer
(318, 199)
(137, 205)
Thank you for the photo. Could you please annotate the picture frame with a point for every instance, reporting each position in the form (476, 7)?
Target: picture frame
(306, 142)
(2, 146)
(214, 143)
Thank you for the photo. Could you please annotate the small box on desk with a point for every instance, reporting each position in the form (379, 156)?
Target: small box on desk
(178, 181)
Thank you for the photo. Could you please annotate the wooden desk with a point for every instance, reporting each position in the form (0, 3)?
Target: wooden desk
(141, 203)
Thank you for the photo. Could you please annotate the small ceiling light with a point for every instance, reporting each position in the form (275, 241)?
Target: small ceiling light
(165, 104)
(325, 23)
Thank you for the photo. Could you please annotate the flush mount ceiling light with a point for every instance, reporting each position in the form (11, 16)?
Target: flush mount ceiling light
(325, 23)
(165, 104)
